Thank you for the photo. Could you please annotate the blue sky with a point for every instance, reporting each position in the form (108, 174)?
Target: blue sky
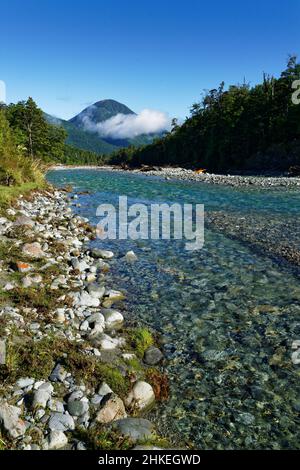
(155, 54)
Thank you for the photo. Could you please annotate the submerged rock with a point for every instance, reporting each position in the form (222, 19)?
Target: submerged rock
(137, 429)
(153, 356)
(104, 254)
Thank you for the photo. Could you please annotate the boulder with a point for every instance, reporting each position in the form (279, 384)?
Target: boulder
(141, 396)
(112, 409)
(33, 250)
(57, 440)
(113, 318)
(152, 356)
(10, 420)
(137, 429)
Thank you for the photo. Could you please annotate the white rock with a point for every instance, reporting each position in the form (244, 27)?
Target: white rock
(131, 257)
(113, 318)
(141, 395)
(296, 357)
(25, 382)
(57, 440)
(10, 420)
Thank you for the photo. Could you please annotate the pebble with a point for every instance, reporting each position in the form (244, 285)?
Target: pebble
(57, 440)
(61, 422)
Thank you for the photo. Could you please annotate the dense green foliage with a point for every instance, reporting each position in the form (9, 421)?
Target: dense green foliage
(16, 166)
(242, 128)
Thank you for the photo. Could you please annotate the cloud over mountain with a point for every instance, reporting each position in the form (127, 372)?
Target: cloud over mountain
(122, 126)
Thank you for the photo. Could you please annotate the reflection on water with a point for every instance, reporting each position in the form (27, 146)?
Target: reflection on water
(227, 315)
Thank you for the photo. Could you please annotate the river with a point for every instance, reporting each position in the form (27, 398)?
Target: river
(227, 314)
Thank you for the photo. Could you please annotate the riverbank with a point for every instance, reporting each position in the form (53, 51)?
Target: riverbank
(74, 374)
(209, 178)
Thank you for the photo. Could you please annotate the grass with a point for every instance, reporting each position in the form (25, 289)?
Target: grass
(141, 339)
(26, 357)
(98, 438)
(9, 193)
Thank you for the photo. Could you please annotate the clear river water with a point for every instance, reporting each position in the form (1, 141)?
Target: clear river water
(227, 314)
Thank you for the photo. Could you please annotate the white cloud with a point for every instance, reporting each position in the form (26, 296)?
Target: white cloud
(124, 126)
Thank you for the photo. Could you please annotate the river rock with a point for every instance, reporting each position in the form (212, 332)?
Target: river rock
(131, 257)
(24, 382)
(33, 250)
(61, 422)
(296, 357)
(111, 297)
(23, 267)
(112, 409)
(137, 429)
(10, 420)
(86, 300)
(141, 396)
(57, 440)
(113, 318)
(80, 265)
(77, 407)
(24, 221)
(152, 356)
(2, 351)
(96, 291)
(104, 389)
(104, 254)
(58, 374)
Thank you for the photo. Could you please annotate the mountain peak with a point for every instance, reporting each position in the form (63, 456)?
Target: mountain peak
(100, 111)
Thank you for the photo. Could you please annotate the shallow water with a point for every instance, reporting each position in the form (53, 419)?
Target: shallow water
(227, 314)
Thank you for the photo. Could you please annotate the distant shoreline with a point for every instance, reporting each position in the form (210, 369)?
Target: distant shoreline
(190, 175)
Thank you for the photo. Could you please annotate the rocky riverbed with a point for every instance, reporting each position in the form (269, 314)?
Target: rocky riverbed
(73, 374)
(184, 174)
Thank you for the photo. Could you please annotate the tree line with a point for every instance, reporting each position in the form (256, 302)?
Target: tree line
(28, 141)
(236, 129)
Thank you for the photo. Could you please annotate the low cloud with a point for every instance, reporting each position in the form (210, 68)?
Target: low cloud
(123, 126)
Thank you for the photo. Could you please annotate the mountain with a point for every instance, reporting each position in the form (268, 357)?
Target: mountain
(80, 137)
(100, 111)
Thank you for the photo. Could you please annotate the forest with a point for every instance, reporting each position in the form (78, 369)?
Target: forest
(239, 129)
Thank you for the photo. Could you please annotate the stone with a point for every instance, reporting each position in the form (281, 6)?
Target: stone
(23, 267)
(10, 420)
(55, 405)
(96, 291)
(296, 357)
(131, 257)
(87, 300)
(104, 389)
(77, 407)
(40, 398)
(152, 356)
(58, 374)
(24, 221)
(25, 382)
(33, 250)
(113, 318)
(112, 409)
(296, 344)
(104, 254)
(2, 351)
(111, 297)
(107, 343)
(137, 429)
(60, 315)
(61, 422)
(141, 396)
(80, 265)
(246, 418)
(57, 440)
